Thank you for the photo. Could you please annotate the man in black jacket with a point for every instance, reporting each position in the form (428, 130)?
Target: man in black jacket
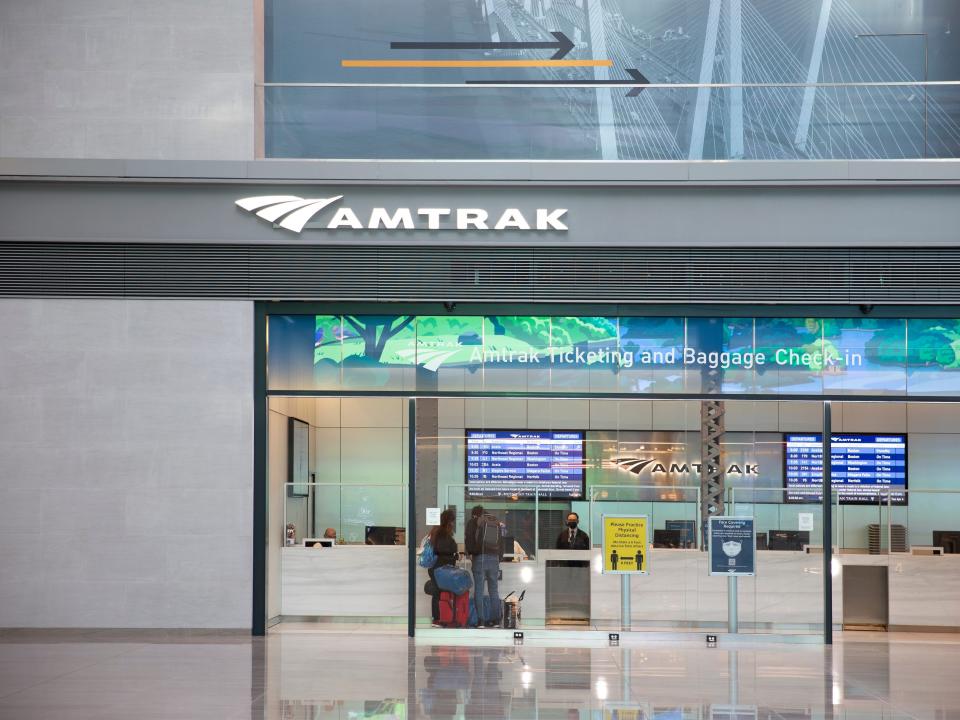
(573, 538)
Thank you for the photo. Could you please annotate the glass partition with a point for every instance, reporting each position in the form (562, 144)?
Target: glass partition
(652, 80)
(894, 465)
(909, 120)
(337, 478)
(535, 464)
(351, 514)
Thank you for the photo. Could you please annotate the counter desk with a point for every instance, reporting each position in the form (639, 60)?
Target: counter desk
(344, 581)
(371, 581)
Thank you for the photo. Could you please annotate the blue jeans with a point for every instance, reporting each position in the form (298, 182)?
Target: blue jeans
(485, 569)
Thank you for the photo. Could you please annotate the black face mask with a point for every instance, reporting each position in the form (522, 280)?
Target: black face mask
(572, 524)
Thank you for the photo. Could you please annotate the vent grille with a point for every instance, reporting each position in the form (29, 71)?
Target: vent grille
(556, 274)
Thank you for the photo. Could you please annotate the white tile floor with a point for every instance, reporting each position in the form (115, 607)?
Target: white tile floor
(316, 672)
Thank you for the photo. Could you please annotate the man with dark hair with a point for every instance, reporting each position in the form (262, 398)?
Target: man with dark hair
(572, 538)
(483, 544)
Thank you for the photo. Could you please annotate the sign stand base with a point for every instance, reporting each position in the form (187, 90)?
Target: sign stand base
(625, 619)
(732, 625)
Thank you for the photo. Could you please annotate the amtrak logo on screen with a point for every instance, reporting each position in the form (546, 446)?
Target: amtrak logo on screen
(638, 465)
(294, 213)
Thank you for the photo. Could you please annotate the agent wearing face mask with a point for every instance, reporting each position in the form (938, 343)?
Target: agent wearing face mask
(572, 538)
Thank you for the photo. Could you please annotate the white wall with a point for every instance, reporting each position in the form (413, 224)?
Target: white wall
(165, 79)
(126, 463)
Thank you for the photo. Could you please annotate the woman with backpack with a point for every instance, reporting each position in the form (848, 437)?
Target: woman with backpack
(445, 548)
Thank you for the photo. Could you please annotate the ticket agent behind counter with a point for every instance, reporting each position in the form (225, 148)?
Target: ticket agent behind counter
(568, 581)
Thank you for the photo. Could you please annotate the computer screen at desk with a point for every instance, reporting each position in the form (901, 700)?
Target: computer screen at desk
(787, 539)
(668, 538)
(382, 535)
(688, 530)
(322, 542)
(949, 540)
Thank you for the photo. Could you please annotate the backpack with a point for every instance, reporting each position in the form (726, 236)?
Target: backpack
(428, 558)
(488, 534)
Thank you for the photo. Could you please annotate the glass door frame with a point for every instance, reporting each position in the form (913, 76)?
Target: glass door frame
(261, 395)
(260, 519)
(826, 495)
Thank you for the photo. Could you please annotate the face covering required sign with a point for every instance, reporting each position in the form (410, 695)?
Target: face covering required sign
(732, 546)
(625, 546)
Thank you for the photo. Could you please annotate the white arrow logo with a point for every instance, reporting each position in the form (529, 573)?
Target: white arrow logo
(297, 210)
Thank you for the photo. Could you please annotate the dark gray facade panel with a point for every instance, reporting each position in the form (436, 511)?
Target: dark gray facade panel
(837, 276)
(597, 216)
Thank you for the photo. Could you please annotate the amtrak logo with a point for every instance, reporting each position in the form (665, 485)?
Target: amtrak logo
(291, 212)
(297, 210)
(637, 465)
(633, 465)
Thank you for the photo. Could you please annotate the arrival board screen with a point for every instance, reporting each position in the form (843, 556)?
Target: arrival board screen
(860, 465)
(509, 463)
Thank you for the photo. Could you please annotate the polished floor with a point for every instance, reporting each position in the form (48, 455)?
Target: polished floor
(346, 673)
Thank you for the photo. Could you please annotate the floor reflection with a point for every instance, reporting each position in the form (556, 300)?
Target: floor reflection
(654, 683)
(345, 675)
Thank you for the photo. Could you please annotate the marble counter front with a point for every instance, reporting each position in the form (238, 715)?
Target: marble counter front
(787, 590)
(923, 590)
(344, 581)
(364, 581)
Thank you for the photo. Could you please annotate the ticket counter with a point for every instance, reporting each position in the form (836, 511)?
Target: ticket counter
(568, 580)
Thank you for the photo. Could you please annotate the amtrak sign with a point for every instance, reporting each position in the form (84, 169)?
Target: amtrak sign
(294, 213)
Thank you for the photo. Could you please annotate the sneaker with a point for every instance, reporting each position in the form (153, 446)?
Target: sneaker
(435, 624)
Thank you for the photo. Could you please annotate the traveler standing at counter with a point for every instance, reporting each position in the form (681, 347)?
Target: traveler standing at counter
(482, 539)
(573, 538)
(445, 548)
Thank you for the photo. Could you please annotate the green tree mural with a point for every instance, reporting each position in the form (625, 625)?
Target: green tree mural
(376, 330)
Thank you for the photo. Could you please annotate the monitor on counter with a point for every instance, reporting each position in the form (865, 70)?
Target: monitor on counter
(524, 463)
(668, 539)
(863, 468)
(949, 540)
(787, 539)
(383, 535)
(687, 529)
(321, 542)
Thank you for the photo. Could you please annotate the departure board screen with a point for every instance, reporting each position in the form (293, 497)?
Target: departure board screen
(522, 463)
(861, 466)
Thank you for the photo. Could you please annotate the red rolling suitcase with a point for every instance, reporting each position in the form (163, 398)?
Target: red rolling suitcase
(454, 609)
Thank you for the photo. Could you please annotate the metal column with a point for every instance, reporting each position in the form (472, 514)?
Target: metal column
(735, 31)
(261, 491)
(411, 517)
(699, 128)
(813, 74)
(827, 529)
(606, 126)
(712, 477)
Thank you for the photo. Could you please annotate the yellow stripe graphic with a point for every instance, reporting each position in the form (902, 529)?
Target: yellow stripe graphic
(473, 63)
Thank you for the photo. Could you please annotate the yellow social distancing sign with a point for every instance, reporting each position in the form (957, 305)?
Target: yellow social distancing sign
(625, 546)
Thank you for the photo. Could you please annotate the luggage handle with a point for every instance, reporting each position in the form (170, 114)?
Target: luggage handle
(508, 596)
(520, 599)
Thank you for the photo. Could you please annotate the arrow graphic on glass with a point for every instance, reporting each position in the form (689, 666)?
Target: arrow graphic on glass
(635, 74)
(562, 44)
